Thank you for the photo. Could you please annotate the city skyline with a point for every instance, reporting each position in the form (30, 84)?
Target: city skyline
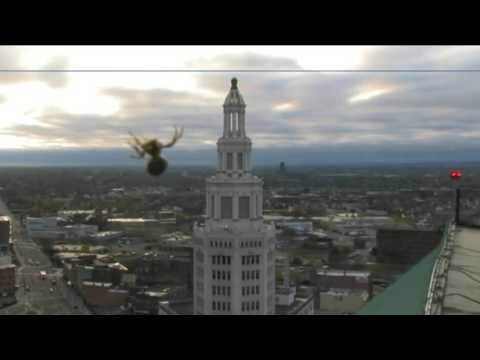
(304, 117)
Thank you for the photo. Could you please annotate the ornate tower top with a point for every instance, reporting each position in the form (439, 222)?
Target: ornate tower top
(234, 98)
(234, 146)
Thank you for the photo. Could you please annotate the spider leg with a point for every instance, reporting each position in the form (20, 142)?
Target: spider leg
(139, 151)
(176, 136)
(136, 140)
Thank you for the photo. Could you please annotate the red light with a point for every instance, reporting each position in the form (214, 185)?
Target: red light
(455, 175)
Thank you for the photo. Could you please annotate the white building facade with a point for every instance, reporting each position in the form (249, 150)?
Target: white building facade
(234, 262)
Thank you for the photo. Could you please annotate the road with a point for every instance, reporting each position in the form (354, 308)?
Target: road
(37, 295)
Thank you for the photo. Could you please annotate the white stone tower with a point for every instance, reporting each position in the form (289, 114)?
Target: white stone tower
(234, 264)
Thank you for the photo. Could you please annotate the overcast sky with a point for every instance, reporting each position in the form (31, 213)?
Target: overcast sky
(298, 116)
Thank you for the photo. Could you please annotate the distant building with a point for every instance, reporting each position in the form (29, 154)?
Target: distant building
(327, 279)
(167, 217)
(109, 273)
(342, 291)
(405, 246)
(105, 236)
(4, 234)
(77, 274)
(148, 302)
(290, 300)
(137, 226)
(44, 228)
(299, 227)
(336, 302)
(164, 268)
(165, 308)
(97, 294)
(7, 284)
(80, 231)
(72, 213)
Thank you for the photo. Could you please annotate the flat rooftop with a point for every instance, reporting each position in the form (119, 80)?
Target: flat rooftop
(462, 293)
(353, 273)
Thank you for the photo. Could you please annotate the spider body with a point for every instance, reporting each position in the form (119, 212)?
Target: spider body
(157, 164)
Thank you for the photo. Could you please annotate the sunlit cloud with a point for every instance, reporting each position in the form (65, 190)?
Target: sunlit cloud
(284, 106)
(369, 94)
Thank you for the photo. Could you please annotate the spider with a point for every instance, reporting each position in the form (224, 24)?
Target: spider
(157, 164)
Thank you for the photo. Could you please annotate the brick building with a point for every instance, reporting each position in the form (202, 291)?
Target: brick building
(4, 234)
(7, 284)
(405, 246)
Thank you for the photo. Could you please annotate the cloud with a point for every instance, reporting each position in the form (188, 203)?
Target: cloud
(55, 79)
(244, 61)
(421, 115)
(11, 59)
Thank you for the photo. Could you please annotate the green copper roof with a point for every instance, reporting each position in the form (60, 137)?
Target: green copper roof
(407, 295)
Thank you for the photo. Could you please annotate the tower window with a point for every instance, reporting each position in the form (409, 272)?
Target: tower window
(240, 161)
(229, 161)
(214, 306)
(227, 207)
(212, 206)
(244, 207)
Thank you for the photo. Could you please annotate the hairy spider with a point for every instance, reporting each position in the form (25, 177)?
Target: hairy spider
(157, 164)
